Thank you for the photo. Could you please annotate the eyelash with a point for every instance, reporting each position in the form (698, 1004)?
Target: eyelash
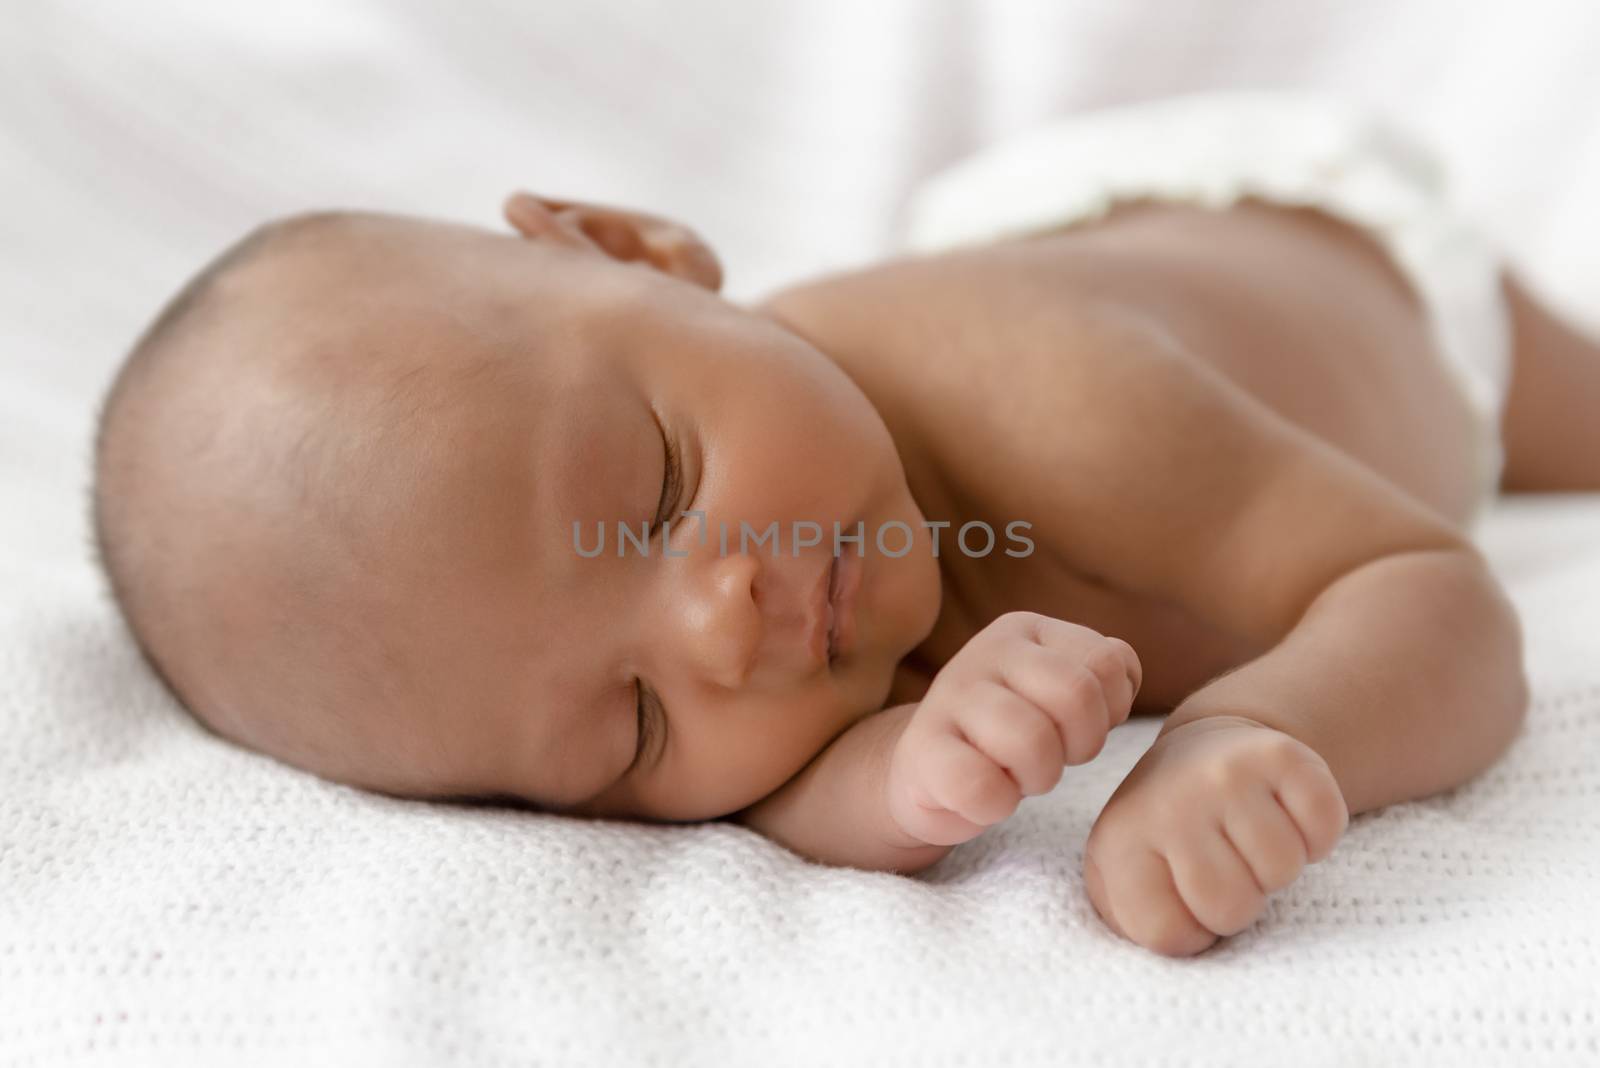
(646, 736)
(671, 482)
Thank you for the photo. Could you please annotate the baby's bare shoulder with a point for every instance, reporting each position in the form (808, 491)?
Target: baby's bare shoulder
(962, 346)
(983, 362)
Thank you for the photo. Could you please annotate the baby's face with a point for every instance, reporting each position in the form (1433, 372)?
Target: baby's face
(560, 394)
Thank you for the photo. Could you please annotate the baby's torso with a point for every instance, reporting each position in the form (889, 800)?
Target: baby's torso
(1294, 309)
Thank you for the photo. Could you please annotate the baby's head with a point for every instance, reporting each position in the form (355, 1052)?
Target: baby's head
(349, 484)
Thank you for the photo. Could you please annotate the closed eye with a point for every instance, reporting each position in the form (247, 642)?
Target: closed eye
(671, 478)
(647, 732)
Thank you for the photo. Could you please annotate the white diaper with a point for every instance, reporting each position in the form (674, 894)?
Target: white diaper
(1298, 148)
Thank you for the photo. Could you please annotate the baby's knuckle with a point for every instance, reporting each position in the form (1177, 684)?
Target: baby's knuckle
(1018, 621)
(1281, 753)
(1105, 663)
(1300, 774)
(1080, 690)
(1171, 808)
(1227, 776)
(1127, 653)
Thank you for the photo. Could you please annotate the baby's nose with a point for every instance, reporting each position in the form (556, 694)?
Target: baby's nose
(721, 620)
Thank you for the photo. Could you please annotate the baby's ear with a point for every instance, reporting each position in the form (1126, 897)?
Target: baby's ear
(629, 236)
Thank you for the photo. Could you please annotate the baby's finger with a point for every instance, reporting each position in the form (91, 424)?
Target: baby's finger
(912, 800)
(963, 780)
(1133, 669)
(1107, 663)
(1217, 885)
(1313, 800)
(1014, 733)
(1094, 881)
(1149, 909)
(1267, 838)
(1112, 660)
(1072, 695)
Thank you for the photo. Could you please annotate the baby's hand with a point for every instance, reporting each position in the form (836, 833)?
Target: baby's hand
(1025, 696)
(1221, 812)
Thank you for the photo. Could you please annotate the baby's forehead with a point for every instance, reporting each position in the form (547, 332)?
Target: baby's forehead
(398, 286)
(439, 354)
(359, 298)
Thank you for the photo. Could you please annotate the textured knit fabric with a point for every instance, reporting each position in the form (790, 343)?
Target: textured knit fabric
(167, 899)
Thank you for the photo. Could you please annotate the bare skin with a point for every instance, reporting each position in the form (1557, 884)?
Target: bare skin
(1348, 360)
(1303, 315)
(1245, 473)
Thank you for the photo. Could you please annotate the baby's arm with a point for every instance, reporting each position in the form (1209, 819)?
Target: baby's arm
(1392, 667)
(1025, 697)
(835, 809)
(1403, 678)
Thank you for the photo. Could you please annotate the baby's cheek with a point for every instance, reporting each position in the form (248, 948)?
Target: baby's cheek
(782, 737)
(737, 753)
(715, 774)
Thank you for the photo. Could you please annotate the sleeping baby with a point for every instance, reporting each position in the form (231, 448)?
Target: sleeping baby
(1188, 408)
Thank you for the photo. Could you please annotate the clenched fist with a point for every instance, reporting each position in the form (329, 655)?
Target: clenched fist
(1024, 697)
(1221, 812)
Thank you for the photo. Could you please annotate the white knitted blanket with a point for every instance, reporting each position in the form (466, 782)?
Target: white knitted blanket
(170, 899)
(167, 899)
